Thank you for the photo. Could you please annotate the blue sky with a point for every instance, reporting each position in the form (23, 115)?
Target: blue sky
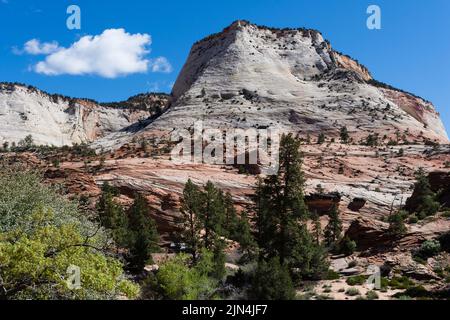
(411, 51)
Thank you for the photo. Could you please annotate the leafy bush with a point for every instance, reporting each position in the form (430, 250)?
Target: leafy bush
(401, 283)
(356, 280)
(352, 292)
(42, 235)
(372, 295)
(397, 226)
(347, 246)
(332, 275)
(177, 280)
(413, 219)
(428, 249)
(416, 292)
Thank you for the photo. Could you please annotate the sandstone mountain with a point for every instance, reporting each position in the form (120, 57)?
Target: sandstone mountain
(58, 120)
(250, 76)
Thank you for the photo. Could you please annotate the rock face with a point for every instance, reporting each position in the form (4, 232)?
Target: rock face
(57, 120)
(322, 203)
(250, 76)
(369, 234)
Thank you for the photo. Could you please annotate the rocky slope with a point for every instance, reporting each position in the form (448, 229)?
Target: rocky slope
(250, 76)
(58, 120)
(256, 77)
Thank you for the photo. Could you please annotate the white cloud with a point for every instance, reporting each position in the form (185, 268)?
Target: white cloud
(160, 86)
(35, 47)
(161, 64)
(111, 54)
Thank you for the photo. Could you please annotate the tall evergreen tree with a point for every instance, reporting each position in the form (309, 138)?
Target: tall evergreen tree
(112, 215)
(212, 214)
(143, 233)
(281, 214)
(309, 259)
(317, 227)
(333, 230)
(344, 134)
(321, 138)
(191, 204)
(230, 217)
(272, 282)
(243, 234)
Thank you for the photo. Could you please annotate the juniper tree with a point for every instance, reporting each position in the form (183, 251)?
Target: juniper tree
(397, 226)
(425, 197)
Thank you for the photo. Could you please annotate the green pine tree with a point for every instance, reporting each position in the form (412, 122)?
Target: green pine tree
(272, 282)
(112, 215)
(344, 135)
(317, 227)
(321, 138)
(333, 230)
(143, 237)
(191, 204)
(212, 215)
(281, 215)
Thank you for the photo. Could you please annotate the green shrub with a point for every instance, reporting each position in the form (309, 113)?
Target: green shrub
(372, 295)
(397, 226)
(41, 235)
(428, 249)
(332, 275)
(356, 280)
(384, 283)
(416, 292)
(352, 292)
(419, 259)
(347, 246)
(413, 219)
(401, 283)
(177, 279)
(272, 282)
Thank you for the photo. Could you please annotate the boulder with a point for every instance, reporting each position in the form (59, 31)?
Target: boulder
(357, 204)
(369, 234)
